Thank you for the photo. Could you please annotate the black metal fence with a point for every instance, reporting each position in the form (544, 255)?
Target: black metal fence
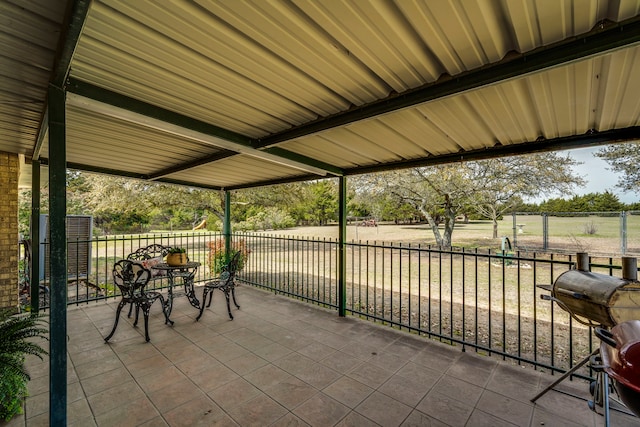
(95, 283)
(483, 301)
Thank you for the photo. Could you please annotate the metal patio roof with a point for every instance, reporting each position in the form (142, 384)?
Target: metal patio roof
(238, 93)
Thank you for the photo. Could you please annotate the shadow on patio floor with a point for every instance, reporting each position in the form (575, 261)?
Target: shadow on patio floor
(285, 363)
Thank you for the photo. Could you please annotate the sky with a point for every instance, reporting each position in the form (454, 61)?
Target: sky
(597, 174)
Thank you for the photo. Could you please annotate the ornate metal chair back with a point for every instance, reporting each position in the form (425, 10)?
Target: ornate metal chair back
(130, 277)
(229, 271)
(152, 251)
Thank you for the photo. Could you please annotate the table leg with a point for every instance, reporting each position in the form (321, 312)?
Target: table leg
(190, 292)
(168, 304)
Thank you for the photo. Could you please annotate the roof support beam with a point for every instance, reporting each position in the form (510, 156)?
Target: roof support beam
(597, 41)
(227, 153)
(77, 16)
(126, 174)
(102, 101)
(194, 164)
(133, 110)
(72, 27)
(290, 180)
(590, 139)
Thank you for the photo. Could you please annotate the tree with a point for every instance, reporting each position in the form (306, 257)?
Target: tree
(76, 201)
(488, 187)
(323, 203)
(275, 206)
(499, 184)
(438, 193)
(592, 202)
(623, 159)
(123, 204)
(126, 205)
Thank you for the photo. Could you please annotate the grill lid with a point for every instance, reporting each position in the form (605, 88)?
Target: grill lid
(622, 361)
(603, 299)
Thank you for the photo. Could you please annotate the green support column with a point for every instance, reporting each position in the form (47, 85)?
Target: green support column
(34, 267)
(58, 258)
(342, 254)
(227, 225)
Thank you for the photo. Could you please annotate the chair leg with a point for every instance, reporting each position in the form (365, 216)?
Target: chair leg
(135, 323)
(226, 295)
(210, 291)
(164, 311)
(146, 327)
(130, 309)
(146, 307)
(233, 294)
(115, 325)
(206, 292)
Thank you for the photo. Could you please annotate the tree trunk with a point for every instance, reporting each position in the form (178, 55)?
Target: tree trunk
(449, 223)
(494, 217)
(433, 224)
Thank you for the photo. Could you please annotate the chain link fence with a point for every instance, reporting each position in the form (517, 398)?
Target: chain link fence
(602, 233)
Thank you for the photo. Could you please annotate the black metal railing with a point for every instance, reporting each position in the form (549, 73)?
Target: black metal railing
(90, 277)
(484, 301)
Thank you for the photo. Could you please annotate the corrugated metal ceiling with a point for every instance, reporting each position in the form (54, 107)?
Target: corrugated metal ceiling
(260, 92)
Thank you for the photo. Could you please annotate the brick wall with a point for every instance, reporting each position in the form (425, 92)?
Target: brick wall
(8, 230)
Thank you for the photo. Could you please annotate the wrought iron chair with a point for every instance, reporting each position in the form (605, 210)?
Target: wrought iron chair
(226, 283)
(131, 278)
(149, 256)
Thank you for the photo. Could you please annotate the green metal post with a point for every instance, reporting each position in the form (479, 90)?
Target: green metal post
(342, 255)
(58, 258)
(227, 225)
(34, 267)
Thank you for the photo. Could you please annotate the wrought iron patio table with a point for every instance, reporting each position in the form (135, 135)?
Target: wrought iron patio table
(186, 272)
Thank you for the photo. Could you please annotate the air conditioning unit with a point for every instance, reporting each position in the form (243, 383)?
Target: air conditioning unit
(79, 232)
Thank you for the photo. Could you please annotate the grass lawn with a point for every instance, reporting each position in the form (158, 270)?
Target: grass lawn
(593, 234)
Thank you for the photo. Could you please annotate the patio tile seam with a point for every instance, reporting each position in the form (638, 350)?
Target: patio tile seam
(485, 392)
(140, 386)
(81, 381)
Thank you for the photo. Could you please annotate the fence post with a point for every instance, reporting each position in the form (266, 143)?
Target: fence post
(227, 225)
(545, 231)
(342, 254)
(623, 232)
(515, 239)
(34, 266)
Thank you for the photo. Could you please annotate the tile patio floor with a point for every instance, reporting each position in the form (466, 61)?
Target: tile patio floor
(286, 363)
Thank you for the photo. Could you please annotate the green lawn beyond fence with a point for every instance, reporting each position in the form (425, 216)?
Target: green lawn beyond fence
(592, 232)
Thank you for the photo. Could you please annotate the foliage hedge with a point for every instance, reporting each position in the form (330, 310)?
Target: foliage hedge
(217, 256)
(13, 390)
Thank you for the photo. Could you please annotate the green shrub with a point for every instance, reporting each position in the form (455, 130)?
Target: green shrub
(16, 333)
(13, 390)
(217, 256)
(268, 219)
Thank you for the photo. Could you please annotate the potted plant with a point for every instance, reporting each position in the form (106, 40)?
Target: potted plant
(16, 341)
(177, 257)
